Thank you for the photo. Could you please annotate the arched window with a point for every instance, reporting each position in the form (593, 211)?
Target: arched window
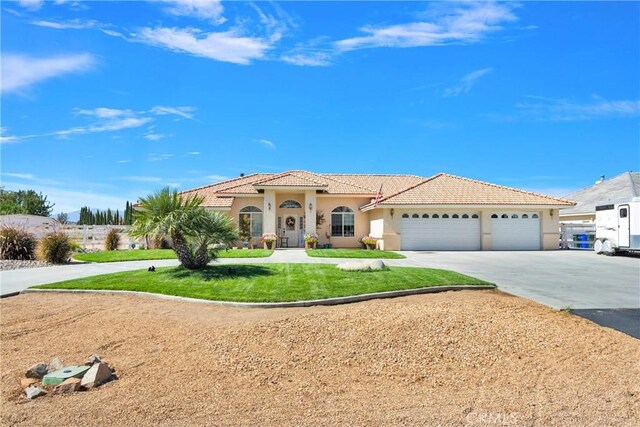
(290, 204)
(514, 216)
(254, 217)
(415, 216)
(465, 216)
(425, 215)
(494, 216)
(534, 216)
(455, 216)
(405, 215)
(504, 216)
(476, 216)
(435, 216)
(445, 216)
(342, 222)
(525, 216)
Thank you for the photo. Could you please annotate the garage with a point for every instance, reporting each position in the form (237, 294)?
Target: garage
(515, 231)
(450, 231)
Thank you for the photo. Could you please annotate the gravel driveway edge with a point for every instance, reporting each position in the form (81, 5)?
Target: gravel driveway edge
(307, 303)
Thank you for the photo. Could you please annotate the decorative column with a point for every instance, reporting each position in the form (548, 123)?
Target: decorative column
(310, 211)
(269, 212)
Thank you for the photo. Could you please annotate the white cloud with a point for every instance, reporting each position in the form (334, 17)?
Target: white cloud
(22, 71)
(312, 59)
(202, 9)
(464, 22)
(27, 176)
(159, 157)
(186, 112)
(467, 82)
(136, 178)
(267, 143)
(72, 24)
(193, 153)
(31, 4)
(151, 136)
(172, 184)
(6, 139)
(123, 161)
(216, 178)
(105, 113)
(227, 46)
(565, 110)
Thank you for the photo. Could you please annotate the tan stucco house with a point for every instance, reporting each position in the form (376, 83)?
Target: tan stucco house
(406, 212)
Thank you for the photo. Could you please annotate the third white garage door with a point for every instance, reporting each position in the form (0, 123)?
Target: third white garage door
(428, 231)
(515, 231)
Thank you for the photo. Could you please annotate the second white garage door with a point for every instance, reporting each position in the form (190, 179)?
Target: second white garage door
(427, 231)
(515, 231)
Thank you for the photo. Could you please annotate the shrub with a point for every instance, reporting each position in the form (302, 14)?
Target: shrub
(16, 243)
(369, 241)
(311, 238)
(269, 237)
(113, 240)
(55, 247)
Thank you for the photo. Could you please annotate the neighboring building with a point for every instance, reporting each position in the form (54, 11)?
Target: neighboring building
(619, 188)
(443, 212)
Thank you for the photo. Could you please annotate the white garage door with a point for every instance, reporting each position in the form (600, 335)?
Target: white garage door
(515, 231)
(428, 231)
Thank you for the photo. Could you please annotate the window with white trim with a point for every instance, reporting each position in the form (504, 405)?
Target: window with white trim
(254, 215)
(342, 222)
(290, 204)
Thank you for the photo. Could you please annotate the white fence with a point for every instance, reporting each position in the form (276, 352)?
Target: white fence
(92, 237)
(577, 236)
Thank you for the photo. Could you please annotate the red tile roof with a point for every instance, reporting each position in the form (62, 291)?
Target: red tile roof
(441, 189)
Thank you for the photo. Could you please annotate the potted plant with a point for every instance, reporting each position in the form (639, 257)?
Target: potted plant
(268, 240)
(369, 242)
(310, 240)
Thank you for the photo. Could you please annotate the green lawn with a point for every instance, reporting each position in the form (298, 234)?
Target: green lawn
(353, 253)
(268, 282)
(148, 254)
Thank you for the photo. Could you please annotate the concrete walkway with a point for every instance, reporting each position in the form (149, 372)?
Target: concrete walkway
(559, 279)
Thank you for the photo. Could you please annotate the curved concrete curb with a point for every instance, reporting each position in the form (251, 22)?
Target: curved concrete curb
(308, 303)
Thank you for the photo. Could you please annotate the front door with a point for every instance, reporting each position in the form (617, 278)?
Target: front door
(623, 226)
(292, 229)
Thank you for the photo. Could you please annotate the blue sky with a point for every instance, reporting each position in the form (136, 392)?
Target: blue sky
(107, 101)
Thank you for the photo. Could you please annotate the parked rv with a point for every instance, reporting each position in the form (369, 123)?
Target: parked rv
(618, 227)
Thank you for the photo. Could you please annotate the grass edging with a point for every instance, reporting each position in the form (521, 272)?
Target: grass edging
(306, 303)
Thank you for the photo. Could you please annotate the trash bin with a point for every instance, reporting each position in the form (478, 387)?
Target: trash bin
(582, 238)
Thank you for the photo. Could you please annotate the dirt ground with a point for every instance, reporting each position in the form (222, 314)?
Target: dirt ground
(456, 358)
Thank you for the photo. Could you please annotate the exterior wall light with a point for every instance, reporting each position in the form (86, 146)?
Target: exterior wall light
(391, 212)
(269, 205)
(310, 206)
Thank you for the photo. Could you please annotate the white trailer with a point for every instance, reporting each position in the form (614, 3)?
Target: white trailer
(618, 227)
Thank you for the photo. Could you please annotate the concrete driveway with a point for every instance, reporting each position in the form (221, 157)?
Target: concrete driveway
(559, 279)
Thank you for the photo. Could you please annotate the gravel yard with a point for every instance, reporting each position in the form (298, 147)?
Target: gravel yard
(455, 358)
(14, 264)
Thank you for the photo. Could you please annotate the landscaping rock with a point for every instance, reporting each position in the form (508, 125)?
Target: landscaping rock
(354, 266)
(55, 364)
(96, 375)
(93, 359)
(32, 392)
(375, 264)
(38, 371)
(26, 382)
(67, 386)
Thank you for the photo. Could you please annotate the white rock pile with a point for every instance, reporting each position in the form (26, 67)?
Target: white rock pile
(372, 264)
(99, 373)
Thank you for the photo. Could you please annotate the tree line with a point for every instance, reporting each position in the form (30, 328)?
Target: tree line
(106, 217)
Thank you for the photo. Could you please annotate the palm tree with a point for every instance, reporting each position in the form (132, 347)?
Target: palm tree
(191, 228)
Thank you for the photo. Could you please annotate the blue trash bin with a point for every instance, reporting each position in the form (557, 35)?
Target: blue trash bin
(583, 238)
